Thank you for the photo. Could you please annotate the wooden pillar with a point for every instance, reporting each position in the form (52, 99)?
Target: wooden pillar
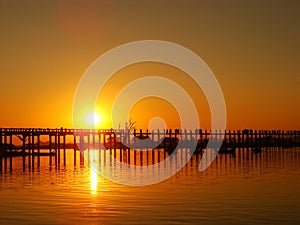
(38, 149)
(185, 135)
(156, 147)
(158, 135)
(88, 144)
(274, 138)
(32, 148)
(99, 146)
(1, 150)
(1, 137)
(115, 145)
(50, 149)
(75, 148)
(216, 136)
(234, 137)
(93, 146)
(141, 157)
(29, 148)
(38, 143)
(23, 144)
(10, 150)
(58, 147)
(110, 146)
(147, 135)
(104, 142)
(121, 154)
(220, 135)
(153, 138)
(23, 149)
(147, 155)
(200, 136)
(81, 149)
(110, 141)
(128, 136)
(250, 135)
(191, 139)
(64, 140)
(128, 155)
(134, 138)
(5, 151)
(99, 142)
(55, 144)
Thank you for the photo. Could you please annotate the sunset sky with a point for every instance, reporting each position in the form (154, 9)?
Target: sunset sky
(251, 46)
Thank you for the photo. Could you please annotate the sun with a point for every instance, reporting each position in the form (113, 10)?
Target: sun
(93, 119)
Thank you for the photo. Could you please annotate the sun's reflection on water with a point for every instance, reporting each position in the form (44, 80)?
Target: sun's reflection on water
(94, 181)
(93, 158)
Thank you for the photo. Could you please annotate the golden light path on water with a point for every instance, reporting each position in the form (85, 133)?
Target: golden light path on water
(93, 157)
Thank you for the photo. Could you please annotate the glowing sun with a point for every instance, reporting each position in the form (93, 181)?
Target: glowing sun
(93, 119)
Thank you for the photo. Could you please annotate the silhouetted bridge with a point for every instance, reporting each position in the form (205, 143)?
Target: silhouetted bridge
(27, 142)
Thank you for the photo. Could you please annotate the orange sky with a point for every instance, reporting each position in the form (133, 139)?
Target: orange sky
(251, 46)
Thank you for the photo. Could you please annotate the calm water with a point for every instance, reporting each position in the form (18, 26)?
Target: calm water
(243, 189)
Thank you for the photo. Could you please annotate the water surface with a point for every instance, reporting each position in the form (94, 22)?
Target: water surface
(246, 188)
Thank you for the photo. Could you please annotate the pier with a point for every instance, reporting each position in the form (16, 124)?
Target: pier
(32, 143)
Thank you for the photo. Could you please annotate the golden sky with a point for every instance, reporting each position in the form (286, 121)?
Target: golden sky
(251, 46)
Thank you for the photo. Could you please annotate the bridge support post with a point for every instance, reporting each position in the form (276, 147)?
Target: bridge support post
(1, 150)
(50, 149)
(75, 148)
(32, 148)
(64, 140)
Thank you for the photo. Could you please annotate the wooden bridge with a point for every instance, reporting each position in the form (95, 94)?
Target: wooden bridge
(27, 142)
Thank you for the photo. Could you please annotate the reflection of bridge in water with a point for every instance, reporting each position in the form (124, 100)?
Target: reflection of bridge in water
(271, 157)
(146, 147)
